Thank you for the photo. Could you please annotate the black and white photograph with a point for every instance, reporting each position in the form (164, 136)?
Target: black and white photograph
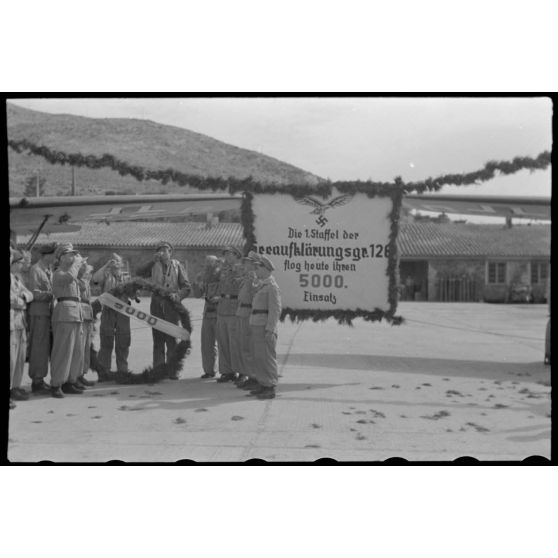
(232, 279)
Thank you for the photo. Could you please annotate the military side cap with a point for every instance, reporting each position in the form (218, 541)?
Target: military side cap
(164, 245)
(266, 262)
(234, 250)
(65, 248)
(48, 248)
(252, 257)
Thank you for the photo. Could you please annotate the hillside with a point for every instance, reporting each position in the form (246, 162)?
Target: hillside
(139, 142)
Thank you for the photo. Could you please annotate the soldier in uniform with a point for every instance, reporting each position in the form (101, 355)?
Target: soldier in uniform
(66, 361)
(170, 275)
(84, 277)
(20, 296)
(25, 267)
(266, 310)
(246, 378)
(207, 285)
(114, 330)
(227, 322)
(40, 314)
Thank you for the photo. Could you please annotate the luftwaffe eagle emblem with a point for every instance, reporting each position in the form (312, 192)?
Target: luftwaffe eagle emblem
(320, 208)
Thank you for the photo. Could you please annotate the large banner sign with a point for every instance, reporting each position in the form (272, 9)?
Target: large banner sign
(331, 255)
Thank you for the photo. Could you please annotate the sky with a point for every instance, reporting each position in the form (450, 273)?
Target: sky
(349, 138)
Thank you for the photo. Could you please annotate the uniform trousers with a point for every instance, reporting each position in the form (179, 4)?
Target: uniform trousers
(209, 343)
(265, 356)
(87, 338)
(114, 332)
(18, 348)
(40, 344)
(161, 308)
(66, 361)
(245, 344)
(227, 341)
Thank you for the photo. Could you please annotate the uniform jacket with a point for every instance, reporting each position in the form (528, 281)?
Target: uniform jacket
(66, 283)
(246, 295)
(208, 287)
(174, 278)
(267, 297)
(40, 284)
(19, 297)
(229, 285)
(85, 294)
(107, 280)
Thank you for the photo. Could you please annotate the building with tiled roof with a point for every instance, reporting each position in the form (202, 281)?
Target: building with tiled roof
(147, 234)
(446, 261)
(431, 240)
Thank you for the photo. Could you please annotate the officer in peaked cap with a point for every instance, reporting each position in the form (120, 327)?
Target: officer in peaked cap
(40, 314)
(62, 249)
(247, 378)
(67, 324)
(227, 321)
(264, 319)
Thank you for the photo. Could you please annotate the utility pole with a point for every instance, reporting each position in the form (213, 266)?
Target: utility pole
(37, 184)
(73, 181)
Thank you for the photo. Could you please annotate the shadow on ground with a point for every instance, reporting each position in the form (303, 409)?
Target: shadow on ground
(188, 394)
(421, 365)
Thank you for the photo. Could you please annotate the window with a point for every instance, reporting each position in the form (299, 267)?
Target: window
(539, 272)
(496, 272)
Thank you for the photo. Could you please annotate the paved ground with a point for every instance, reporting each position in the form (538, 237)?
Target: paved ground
(456, 379)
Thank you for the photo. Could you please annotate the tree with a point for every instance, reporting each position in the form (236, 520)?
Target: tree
(31, 186)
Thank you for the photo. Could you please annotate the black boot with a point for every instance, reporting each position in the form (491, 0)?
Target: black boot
(56, 392)
(86, 383)
(19, 394)
(40, 387)
(71, 389)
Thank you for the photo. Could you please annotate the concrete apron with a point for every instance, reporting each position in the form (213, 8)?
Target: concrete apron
(456, 379)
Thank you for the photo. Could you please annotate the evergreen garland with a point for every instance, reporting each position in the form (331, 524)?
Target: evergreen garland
(324, 189)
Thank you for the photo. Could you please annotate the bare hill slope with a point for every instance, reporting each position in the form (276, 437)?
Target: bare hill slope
(139, 142)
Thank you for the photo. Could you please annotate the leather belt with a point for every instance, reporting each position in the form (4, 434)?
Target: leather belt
(85, 301)
(260, 312)
(242, 305)
(17, 307)
(232, 297)
(63, 298)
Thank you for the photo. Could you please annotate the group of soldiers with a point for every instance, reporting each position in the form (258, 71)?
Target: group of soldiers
(52, 318)
(240, 318)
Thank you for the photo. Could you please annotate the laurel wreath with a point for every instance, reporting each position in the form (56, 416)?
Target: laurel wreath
(175, 359)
